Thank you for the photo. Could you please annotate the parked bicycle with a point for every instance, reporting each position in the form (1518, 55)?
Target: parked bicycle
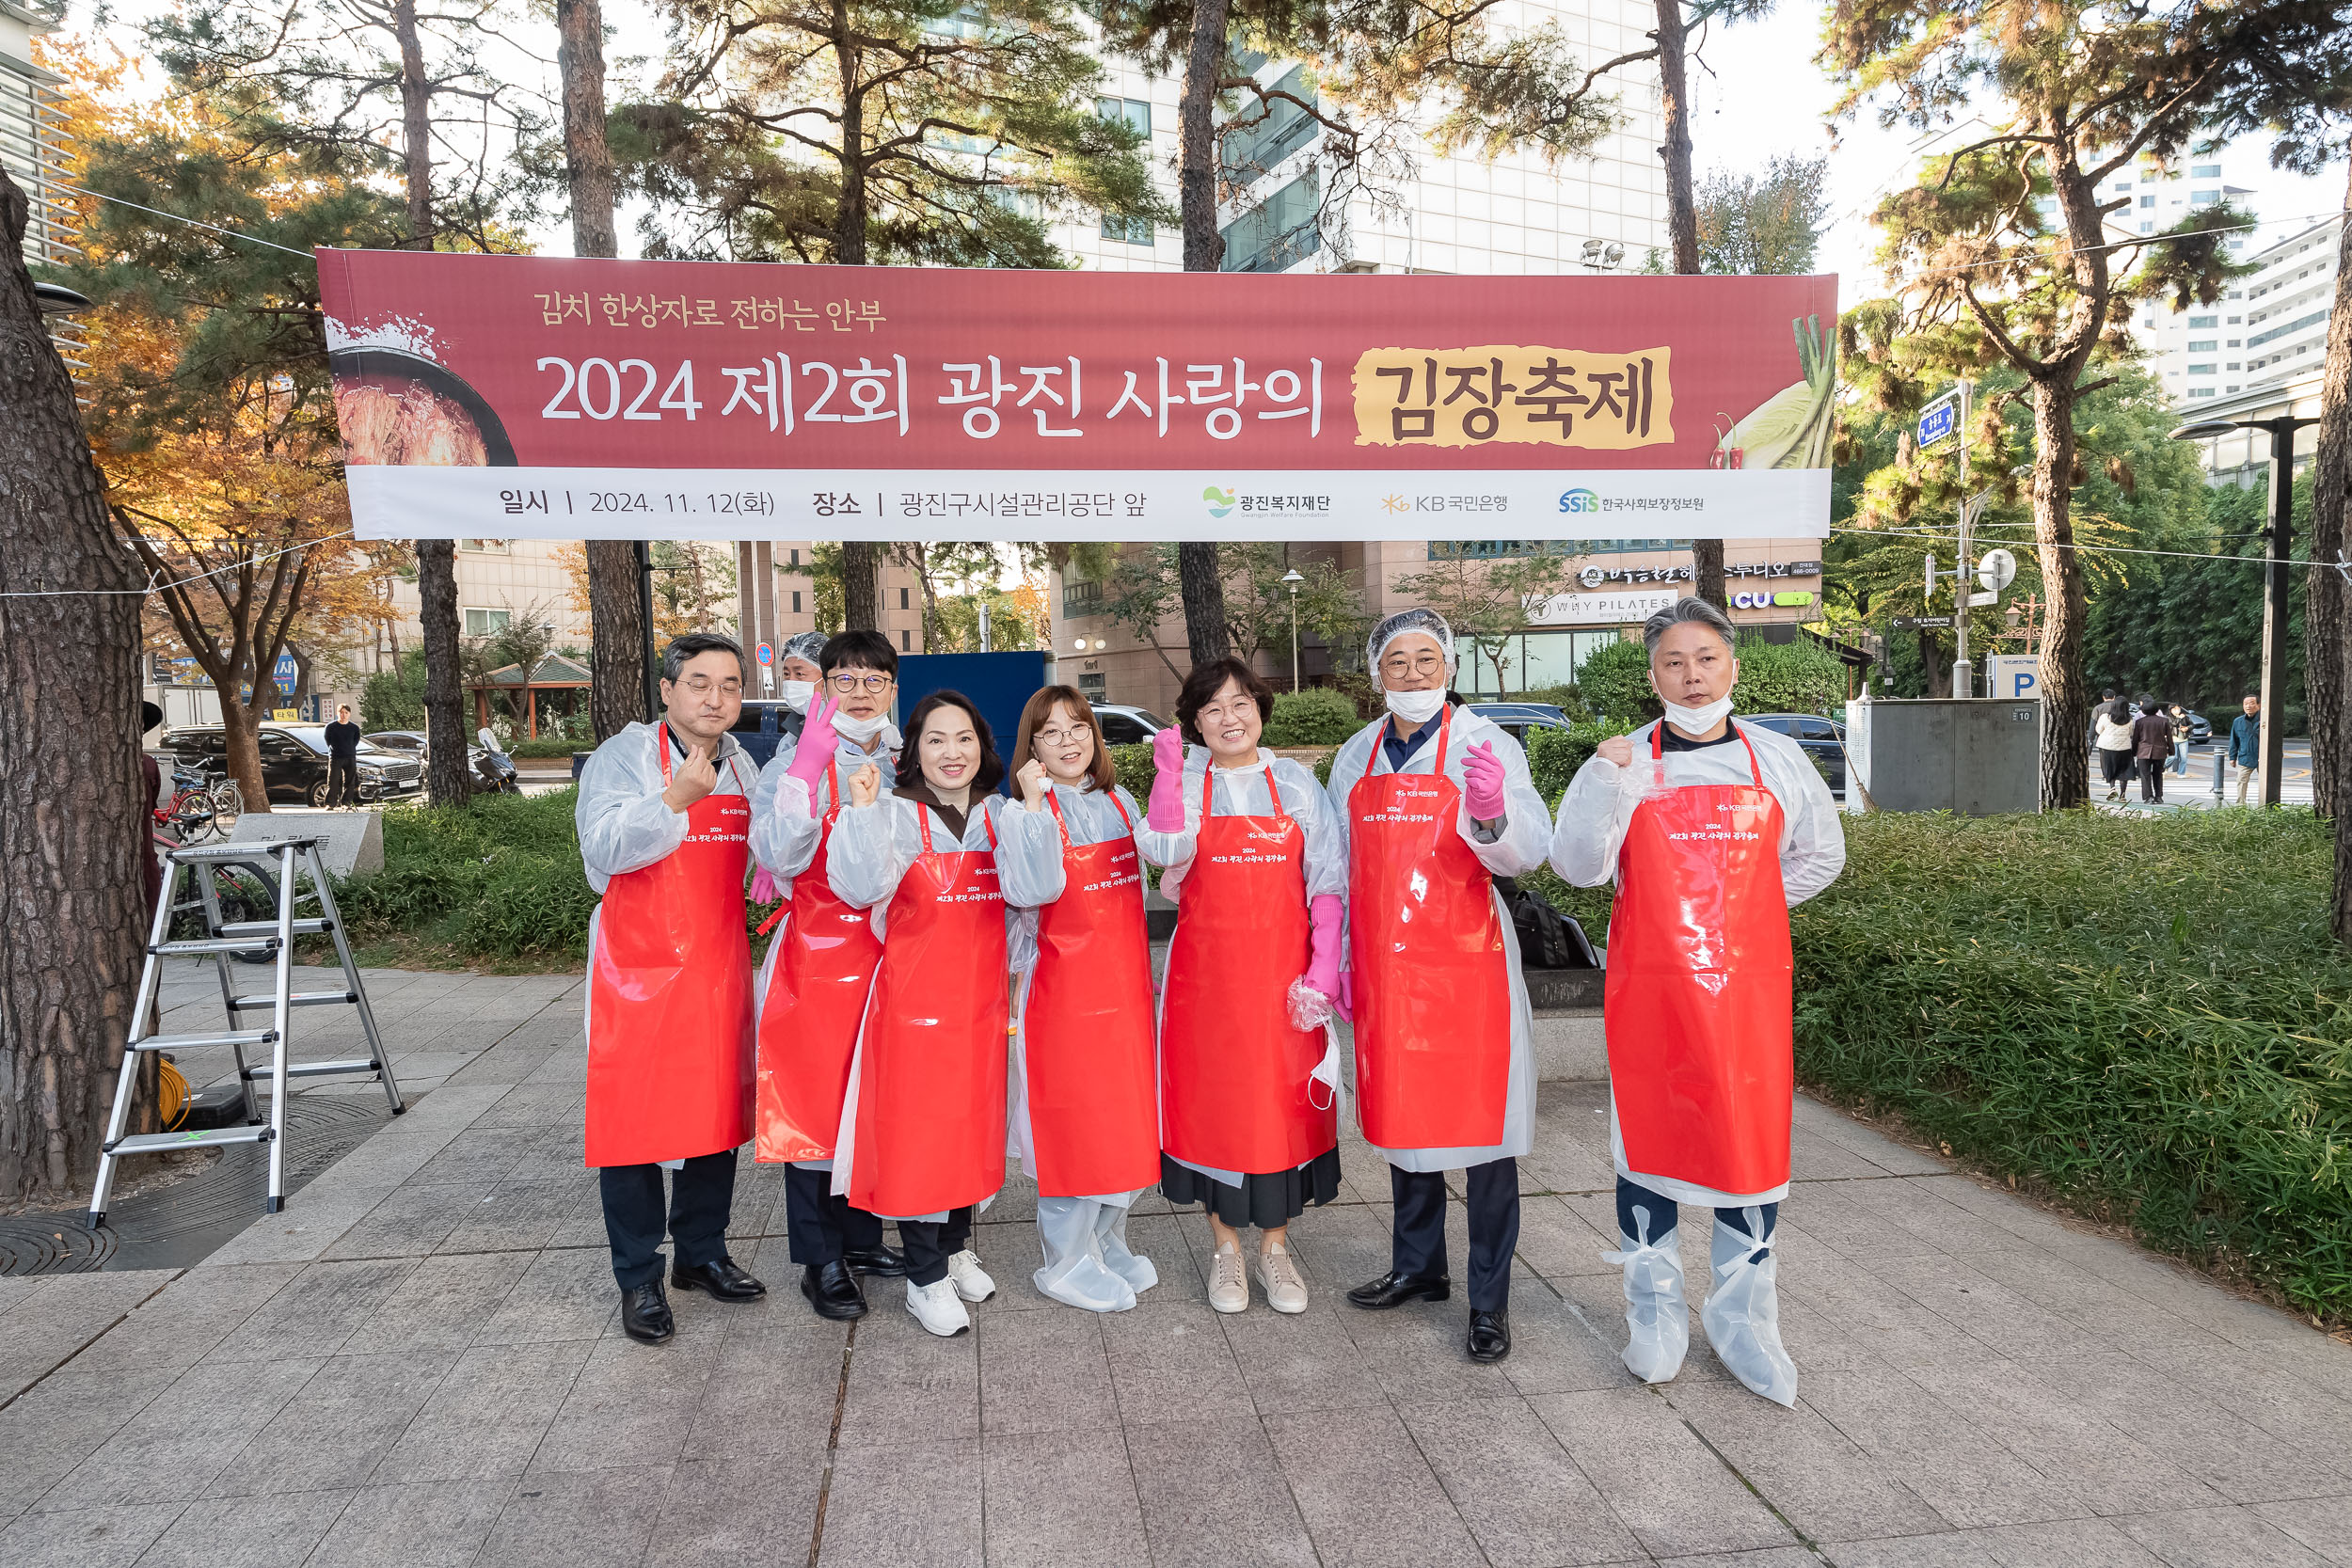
(201, 806)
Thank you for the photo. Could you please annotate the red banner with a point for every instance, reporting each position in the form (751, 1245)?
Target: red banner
(569, 398)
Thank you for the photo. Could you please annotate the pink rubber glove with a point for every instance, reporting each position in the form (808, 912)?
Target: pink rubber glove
(1323, 945)
(818, 739)
(764, 887)
(1482, 770)
(1346, 1001)
(1166, 812)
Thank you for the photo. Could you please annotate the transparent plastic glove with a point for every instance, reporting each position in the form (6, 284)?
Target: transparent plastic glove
(1481, 771)
(1309, 1007)
(1166, 811)
(764, 889)
(815, 750)
(1325, 913)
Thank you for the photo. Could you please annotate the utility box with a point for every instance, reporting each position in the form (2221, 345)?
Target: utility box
(1975, 756)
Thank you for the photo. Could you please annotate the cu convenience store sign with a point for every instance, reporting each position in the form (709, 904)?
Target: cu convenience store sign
(550, 397)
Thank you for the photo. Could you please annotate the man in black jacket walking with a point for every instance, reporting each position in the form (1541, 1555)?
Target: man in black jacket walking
(342, 760)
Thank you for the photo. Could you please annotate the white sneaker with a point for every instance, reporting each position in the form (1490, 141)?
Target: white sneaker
(1285, 1287)
(1229, 1284)
(936, 1308)
(971, 1280)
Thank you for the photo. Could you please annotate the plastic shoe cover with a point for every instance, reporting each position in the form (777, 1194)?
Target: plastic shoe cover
(1656, 1315)
(1074, 1275)
(1743, 1311)
(971, 1280)
(937, 1309)
(1110, 1244)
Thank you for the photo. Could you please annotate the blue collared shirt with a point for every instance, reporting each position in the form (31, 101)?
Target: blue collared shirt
(1397, 751)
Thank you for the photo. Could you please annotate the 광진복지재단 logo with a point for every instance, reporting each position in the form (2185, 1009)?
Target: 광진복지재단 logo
(1220, 502)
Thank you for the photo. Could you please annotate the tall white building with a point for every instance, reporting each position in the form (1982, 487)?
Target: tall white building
(2199, 352)
(2287, 303)
(33, 144)
(1458, 214)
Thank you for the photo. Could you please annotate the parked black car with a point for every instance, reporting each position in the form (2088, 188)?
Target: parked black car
(1823, 737)
(294, 761)
(1520, 720)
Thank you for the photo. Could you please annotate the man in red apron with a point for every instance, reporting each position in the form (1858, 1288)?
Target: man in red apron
(1710, 830)
(1436, 802)
(664, 819)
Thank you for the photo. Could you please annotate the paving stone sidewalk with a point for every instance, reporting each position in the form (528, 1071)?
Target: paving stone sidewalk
(419, 1363)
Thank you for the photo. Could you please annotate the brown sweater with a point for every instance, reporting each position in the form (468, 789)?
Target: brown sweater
(2151, 736)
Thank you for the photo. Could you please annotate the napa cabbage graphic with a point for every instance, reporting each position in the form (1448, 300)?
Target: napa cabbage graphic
(1220, 502)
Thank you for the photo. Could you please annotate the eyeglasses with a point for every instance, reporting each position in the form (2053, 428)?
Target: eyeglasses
(846, 684)
(703, 686)
(1061, 737)
(1424, 664)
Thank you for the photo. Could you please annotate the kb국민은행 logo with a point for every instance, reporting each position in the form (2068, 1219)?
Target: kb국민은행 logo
(1220, 502)
(1579, 501)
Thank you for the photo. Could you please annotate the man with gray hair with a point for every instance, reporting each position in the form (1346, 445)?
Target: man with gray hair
(664, 819)
(1710, 830)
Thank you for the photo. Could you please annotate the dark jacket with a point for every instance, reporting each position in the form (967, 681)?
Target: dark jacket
(2151, 736)
(2245, 740)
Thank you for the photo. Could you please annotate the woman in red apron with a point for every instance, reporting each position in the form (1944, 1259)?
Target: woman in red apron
(1712, 830)
(812, 988)
(1085, 1107)
(1256, 867)
(922, 1137)
(1437, 803)
(663, 818)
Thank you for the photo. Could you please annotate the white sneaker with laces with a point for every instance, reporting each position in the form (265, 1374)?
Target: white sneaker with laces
(1278, 1270)
(971, 1280)
(1228, 1283)
(936, 1308)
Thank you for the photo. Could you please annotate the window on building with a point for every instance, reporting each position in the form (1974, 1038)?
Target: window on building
(795, 601)
(2147, 202)
(2204, 171)
(2147, 227)
(486, 546)
(2234, 343)
(2196, 321)
(2200, 391)
(902, 598)
(2204, 198)
(1130, 231)
(1094, 688)
(1267, 132)
(1081, 598)
(2233, 365)
(2122, 184)
(2204, 345)
(2201, 369)
(487, 623)
(796, 558)
(906, 639)
(1277, 233)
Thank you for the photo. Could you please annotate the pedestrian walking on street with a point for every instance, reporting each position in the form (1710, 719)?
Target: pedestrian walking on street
(2152, 744)
(2179, 739)
(2246, 744)
(342, 760)
(664, 819)
(2113, 730)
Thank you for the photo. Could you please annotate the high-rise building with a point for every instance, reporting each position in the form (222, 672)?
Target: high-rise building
(2198, 352)
(33, 143)
(2287, 300)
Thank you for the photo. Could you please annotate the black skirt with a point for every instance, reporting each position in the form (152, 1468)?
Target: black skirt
(1268, 1202)
(2114, 766)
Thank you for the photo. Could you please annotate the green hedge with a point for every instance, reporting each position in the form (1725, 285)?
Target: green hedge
(1316, 717)
(1774, 677)
(500, 878)
(1554, 755)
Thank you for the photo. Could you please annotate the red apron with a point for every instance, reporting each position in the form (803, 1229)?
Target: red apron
(1699, 1001)
(1093, 1091)
(931, 1088)
(816, 987)
(670, 996)
(1432, 981)
(1233, 1073)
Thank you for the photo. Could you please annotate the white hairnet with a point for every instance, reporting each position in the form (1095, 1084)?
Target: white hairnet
(1417, 621)
(807, 645)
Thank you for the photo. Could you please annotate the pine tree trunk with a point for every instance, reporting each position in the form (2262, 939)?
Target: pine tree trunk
(849, 240)
(617, 655)
(446, 767)
(1196, 136)
(2325, 596)
(73, 801)
(861, 585)
(1683, 230)
(2065, 710)
(1204, 589)
(416, 124)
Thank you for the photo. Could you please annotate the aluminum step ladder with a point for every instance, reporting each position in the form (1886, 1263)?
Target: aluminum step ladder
(228, 938)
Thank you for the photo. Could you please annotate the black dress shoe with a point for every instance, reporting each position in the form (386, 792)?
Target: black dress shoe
(721, 1279)
(882, 1262)
(833, 1290)
(1395, 1290)
(1490, 1336)
(645, 1313)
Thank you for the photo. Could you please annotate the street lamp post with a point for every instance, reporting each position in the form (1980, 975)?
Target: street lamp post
(2280, 548)
(1294, 579)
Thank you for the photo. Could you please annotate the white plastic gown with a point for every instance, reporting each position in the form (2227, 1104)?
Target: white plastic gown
(1598, 807)
(873, 848)
(1088, 1262)
(623, 822)
(1511, 847)
(784, 834)
(1243, 792)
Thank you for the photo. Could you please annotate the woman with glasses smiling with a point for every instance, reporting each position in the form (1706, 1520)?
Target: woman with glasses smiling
(1085, 1106)
(812, 987)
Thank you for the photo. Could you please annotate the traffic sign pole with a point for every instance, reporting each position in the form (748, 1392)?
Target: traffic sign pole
(1964, 675)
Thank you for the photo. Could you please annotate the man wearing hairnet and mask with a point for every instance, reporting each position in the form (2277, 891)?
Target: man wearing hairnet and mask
(1435, 802)
(664, 819)
(1712, 830)
(800, 663)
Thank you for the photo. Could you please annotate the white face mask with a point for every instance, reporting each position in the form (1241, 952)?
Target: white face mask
(797, 694)
(863, 731)
(1416, 707)
(1697, 721)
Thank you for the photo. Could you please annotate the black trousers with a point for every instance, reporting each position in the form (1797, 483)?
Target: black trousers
(2152, 778)
(343, 781)
(1417, 1236)
(929, 1245)
(819, 1223)
(701, 1195)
